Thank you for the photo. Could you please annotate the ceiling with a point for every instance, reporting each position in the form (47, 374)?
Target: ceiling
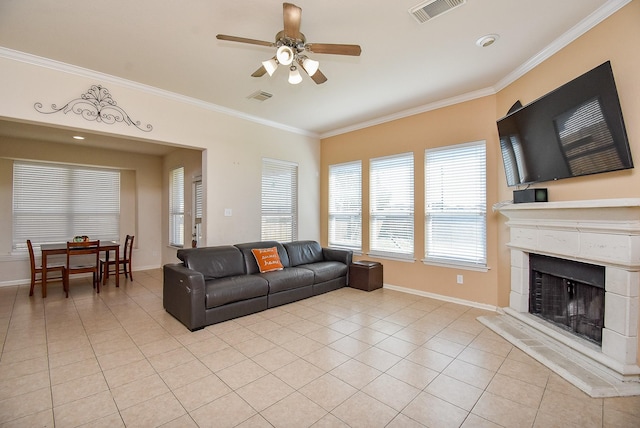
(404, 67)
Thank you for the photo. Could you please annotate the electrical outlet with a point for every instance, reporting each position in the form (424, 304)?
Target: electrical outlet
(228, 212)
(460, 279)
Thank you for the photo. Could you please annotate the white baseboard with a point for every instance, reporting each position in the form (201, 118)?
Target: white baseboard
(441, 297)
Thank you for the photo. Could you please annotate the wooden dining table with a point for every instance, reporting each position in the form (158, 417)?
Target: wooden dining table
(61, 248)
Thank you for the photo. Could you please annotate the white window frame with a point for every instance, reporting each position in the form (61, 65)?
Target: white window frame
(391, 206)
(198, 212)
(345, 206)
(54, 203)
(176, 207)
(279, 201)
(456, 205)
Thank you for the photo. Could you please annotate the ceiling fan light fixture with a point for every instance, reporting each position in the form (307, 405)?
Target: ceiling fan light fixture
(285, 55)
(270, 65)
(310, 66)
(294, 75)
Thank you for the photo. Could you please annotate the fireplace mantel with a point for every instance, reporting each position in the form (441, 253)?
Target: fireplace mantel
(604, 232)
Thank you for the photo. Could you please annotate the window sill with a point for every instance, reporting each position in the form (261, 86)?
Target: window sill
(458, 265)
(14, 256)
(397, 258)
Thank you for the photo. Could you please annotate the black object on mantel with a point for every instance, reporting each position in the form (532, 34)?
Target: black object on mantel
(530, 195)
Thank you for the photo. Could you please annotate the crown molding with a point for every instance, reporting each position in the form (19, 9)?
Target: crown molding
(469, 96)
(51, 64)
(599, 15)
(609, 8)
(561, 42)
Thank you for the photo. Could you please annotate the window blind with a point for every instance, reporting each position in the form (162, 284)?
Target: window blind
(345, 205)
(391, 204)
(54, 203)
(279, 200)
(198, 200)
(455, 202)
(176, 207)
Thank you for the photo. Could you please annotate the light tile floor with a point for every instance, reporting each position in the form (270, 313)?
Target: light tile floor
(343, 359)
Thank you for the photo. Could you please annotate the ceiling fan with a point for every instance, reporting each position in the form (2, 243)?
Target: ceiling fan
(291, 47)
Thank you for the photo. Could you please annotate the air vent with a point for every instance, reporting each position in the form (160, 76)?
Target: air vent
(432, 8)
(260, 96)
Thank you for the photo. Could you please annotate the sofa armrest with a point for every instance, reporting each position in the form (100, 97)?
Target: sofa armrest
(333, 254)
(344, 256)
(183, 295)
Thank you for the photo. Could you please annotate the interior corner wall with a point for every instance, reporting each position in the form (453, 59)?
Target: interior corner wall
(232, 146)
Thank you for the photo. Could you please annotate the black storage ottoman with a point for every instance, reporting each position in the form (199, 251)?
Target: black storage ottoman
(365, 275)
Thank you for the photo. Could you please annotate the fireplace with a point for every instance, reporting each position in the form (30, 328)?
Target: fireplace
(569, 294)
(575, 277)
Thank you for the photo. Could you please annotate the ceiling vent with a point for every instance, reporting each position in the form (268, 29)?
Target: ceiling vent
(432, 8)
(260, 96)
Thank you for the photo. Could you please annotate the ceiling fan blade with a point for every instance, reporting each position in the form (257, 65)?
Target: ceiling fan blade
(292, 15)
(318, 77)
(336, 49)
(244, 40)
(259, 72)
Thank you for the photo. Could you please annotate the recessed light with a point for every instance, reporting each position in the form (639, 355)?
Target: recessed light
(78, 137)
(488, 40)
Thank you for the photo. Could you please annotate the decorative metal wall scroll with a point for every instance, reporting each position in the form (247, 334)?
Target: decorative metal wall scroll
(96, 104)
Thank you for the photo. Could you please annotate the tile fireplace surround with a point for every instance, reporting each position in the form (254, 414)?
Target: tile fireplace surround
(601, 232)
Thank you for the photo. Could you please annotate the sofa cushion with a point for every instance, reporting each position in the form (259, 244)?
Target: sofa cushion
(250, 262)
(213, 262)
(326, 271)
(222, 291)
(288, 279)
(303, 252)
(267, 259)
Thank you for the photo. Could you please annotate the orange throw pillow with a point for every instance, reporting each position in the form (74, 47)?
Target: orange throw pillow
(268, 259)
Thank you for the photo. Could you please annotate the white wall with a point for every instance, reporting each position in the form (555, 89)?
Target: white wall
(233, 146)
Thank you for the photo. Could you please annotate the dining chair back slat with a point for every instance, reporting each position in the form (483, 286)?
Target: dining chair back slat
(107, 266)
(83, 257)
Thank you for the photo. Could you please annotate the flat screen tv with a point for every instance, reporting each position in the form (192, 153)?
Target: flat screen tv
(572, 131)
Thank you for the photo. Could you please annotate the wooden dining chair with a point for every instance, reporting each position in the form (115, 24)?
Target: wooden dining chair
(37, 270)
(83, 257)
(124, 262)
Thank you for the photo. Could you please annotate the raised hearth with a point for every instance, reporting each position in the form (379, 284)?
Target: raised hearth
(599, 232)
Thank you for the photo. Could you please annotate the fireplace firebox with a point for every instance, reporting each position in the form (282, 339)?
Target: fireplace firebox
(568, 294)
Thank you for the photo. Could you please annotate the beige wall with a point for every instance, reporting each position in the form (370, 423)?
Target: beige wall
(616, 39)
(232, 148)
(461, 123)
(140, 197)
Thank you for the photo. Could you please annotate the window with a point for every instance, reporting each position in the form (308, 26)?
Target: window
(345, 205)
(455, 202)
(197, 212)
(54, 203)
(391, 200)
(176, 207)
(279, 200)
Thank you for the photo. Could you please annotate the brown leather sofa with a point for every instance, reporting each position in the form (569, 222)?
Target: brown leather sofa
(215, 284)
